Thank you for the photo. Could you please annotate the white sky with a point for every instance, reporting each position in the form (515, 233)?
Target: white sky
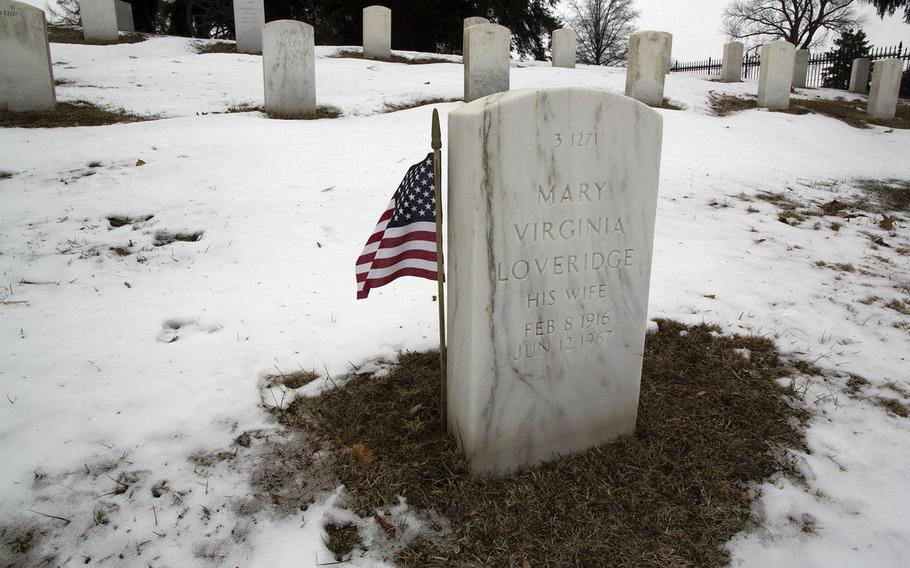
(695, 25)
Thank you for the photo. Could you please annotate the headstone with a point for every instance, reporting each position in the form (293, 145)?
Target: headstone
(125, 16)
(377, 32)
(732, 70)
(562, 44)
(474, 20)
(800, 68)
(26, 79)
(99, 20)
(859, 75)
(289, 68)
(886, 86)
(775, 75)
(486, 60)
(249, 18)
(552, 198)
(649, 60)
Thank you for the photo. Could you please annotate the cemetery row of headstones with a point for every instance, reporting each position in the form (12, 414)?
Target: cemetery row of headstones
(784, 67)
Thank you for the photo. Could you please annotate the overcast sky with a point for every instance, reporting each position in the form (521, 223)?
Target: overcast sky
(695, 25)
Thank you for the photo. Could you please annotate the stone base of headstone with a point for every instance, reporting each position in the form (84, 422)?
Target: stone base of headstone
(26, 76)
(551, 207)
(649, 61)
(886, 85)
(776, 75)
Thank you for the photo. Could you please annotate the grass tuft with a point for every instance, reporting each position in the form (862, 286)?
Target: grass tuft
(710, 424)
(76, 113)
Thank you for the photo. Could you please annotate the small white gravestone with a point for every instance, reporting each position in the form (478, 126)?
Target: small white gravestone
(26, 79)
(289, 68)
(474, 20)
(99, 20)
(886, 86)
(800, 68)
(377, 32)
(649, 59)
(125, 17)
(249, 18)
(859, 75)
(775, 75)
(562, 44)
(486, 60)
(552, 198)
(732, 70)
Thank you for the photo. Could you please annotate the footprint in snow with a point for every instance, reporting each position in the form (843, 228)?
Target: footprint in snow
(176, 329)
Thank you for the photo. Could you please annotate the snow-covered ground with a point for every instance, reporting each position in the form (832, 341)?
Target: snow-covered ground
(116, 370)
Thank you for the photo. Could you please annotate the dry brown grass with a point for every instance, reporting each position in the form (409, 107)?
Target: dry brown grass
(77, 113)
(206, 47)
(850, 112)
(57, 34)
(710, 423)
(320, 113)
(348, 54)
(395, 107)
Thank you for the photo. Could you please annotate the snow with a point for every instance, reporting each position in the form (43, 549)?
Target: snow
(117, 370)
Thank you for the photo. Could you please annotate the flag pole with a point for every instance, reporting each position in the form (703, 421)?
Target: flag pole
(440, 267)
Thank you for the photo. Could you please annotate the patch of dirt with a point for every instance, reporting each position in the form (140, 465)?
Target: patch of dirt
(319, 113)
(894, 407)
(204, 47)
(850, 112)
(293, 380)
(163, 238)
(342, 540)
(395, 107)
(123, 220)
(77, 113)
(58, 34)
(670, 105)
(711, 422)
(348, 54)
(5, 175)
(888, 194)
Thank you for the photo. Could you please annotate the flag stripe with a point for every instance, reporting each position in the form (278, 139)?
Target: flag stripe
(377, 283)
(385, 253)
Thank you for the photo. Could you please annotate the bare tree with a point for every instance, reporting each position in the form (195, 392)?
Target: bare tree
(804, 23)
(64, 13)
(603, 28)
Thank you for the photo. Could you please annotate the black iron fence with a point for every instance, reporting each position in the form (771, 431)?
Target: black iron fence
(825, 69)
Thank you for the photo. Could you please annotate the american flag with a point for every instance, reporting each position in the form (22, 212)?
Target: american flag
(404, 241)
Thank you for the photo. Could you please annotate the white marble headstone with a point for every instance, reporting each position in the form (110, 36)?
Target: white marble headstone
(26, 79)
(551, 205)
(289, 68)
(249, 18)
(377, 32)
(800, 68)
(776, 75)
(859, 75)
(732, 69)
(563, 44)
(486, 60)
(886, 86)
(649, 59)
(474, 20)
(125, 16)
(99, 20)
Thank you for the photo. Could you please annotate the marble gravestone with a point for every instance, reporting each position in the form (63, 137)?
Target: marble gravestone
(26, 78)
(289, 68)
(99, 20)
(859, 75)
(886, 86)
(486, 60)
(474, 20)
(732, 69)
(649, 59)
(377, 33)
(125, 16)
(775, 75)
(563, 44)
(249, 18)
(552, 198)
(800, 68)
